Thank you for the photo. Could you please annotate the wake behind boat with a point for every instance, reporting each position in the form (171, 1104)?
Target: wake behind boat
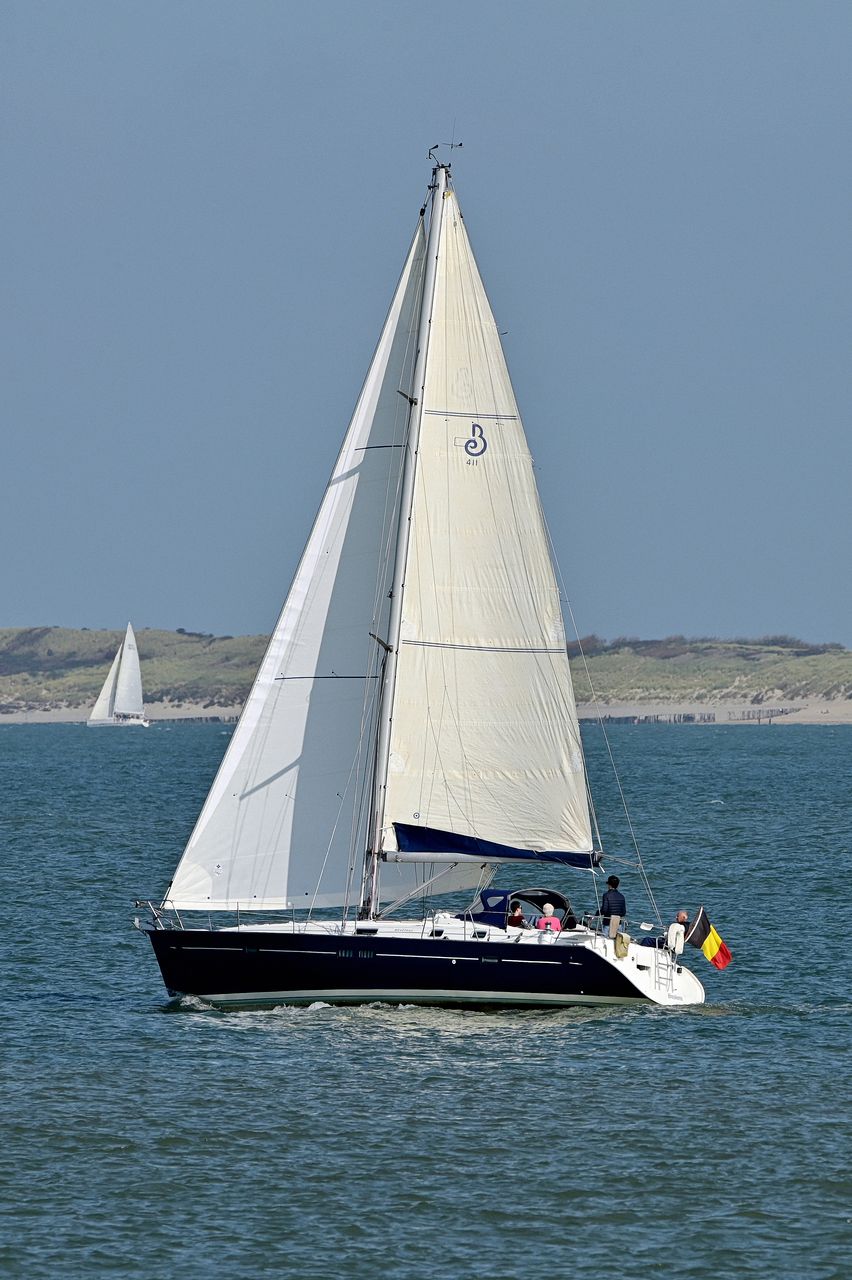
(120, 700)
(412, 727)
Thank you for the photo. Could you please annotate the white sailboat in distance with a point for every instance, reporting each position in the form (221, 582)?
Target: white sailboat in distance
(120, 700)
(411, 732)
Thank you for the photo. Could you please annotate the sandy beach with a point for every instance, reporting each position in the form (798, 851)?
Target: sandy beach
(806, 711)
(829, 711)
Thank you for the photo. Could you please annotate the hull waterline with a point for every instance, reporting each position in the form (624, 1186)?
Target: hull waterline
(119, 724)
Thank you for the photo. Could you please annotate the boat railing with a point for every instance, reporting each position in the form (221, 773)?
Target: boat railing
(170, 917)
(652, 935)
(159, 918)
(590, 922)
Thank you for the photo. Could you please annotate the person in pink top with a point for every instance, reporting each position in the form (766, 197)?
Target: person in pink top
(549, 920)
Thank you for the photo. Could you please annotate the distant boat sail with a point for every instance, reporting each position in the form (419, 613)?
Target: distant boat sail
(120, 700)
(412, 727)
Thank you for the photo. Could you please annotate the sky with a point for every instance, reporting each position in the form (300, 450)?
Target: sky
(205, 208)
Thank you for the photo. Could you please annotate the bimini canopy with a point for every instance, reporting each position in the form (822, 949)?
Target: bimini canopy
(491, 906)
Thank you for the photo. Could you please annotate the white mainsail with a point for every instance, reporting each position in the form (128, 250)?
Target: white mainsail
(485, 741)
(284, 824)
(128, 689)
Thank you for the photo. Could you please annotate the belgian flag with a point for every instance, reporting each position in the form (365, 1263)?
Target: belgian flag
(702, 934)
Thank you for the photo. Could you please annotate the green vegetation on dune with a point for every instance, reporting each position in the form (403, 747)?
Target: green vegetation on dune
(777, 668)
(51, 668)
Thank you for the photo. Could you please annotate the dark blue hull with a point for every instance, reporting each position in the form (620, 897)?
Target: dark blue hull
(268, 968)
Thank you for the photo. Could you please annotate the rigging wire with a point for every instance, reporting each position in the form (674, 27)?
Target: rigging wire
(362, 768)
(639, 863)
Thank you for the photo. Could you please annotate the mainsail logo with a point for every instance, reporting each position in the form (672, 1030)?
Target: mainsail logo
(477, 444)
(474, 445)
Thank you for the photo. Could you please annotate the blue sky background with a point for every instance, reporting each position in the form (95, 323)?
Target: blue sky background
(205, 207)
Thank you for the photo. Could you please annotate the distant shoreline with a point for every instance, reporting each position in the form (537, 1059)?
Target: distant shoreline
(53, 675)
(825, 711)
(157, 712)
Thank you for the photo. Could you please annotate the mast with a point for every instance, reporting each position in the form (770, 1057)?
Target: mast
(440, 175)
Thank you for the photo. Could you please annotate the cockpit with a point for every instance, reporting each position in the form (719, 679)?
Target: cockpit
(494, 907)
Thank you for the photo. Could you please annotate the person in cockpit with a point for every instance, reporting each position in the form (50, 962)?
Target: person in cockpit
(549, 921)
(516, 919)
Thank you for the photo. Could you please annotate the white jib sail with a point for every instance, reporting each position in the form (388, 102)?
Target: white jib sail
(284, 824)
(128, 689)
(485, 740)
(103, 708)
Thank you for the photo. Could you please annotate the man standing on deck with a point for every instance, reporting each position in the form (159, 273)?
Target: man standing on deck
(612, 903)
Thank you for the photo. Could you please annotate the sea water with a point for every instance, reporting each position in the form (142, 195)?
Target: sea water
(145, 1137)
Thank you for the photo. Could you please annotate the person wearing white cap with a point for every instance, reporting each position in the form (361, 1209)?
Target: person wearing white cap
(548, 920)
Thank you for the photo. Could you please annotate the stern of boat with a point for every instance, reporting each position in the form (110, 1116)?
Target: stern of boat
(656, 972)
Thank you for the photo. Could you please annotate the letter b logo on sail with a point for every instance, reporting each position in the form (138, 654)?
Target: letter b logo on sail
(477, 444)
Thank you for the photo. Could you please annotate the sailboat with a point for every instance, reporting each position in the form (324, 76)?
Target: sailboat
(120, 700)
(412, 731)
